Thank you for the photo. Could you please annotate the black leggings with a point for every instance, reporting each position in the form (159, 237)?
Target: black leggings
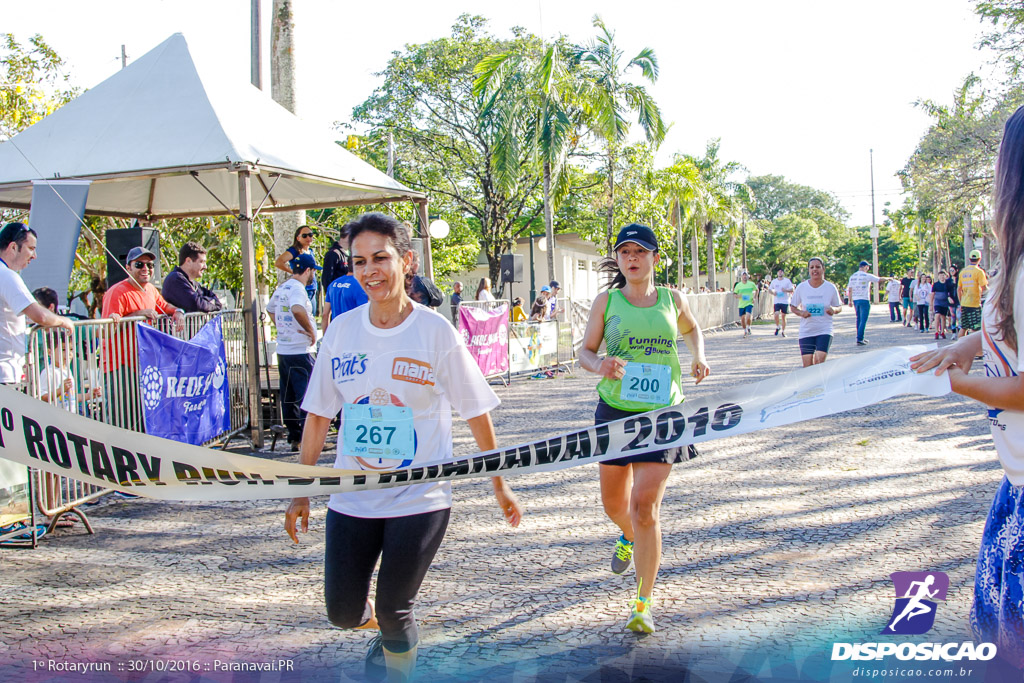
(922, 317)
(405, 546)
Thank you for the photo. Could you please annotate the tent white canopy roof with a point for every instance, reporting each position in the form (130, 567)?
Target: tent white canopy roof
(146, 134)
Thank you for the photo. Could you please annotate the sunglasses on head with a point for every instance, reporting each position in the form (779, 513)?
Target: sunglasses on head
(143, 264)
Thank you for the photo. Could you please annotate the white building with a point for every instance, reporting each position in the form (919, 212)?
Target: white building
(576, 263)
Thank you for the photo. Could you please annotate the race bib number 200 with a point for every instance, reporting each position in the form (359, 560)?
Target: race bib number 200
(647, 383)
(384, 432)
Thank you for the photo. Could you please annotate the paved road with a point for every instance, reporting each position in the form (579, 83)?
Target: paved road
(774, 540)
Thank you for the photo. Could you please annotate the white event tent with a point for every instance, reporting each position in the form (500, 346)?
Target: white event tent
(165, 137)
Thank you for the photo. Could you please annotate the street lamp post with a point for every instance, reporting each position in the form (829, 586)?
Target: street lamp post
(542, 245)
(874, 228)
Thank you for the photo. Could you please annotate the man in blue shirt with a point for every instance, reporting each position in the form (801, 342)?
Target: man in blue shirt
(344, 294)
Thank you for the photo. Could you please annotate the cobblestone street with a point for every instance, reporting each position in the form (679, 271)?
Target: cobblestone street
(780, 539)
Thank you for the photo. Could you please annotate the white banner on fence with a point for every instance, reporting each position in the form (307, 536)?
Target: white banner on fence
(533, 346)
(38, 434)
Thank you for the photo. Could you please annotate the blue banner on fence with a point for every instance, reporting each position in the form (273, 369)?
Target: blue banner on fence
(184, 384)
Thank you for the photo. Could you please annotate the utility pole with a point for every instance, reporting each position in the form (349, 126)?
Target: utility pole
(874, 228)
(282, 89)
(124, 57)
(256, 47)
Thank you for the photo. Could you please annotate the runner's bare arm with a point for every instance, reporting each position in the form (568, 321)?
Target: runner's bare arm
(483, 433)
(314, 433)
(609, 366)
(689, 330)
(325, 320)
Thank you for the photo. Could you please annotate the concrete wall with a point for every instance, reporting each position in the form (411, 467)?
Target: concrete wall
(722, 308)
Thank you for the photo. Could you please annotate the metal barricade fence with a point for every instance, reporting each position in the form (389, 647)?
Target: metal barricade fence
(94, 372)
(485, 305)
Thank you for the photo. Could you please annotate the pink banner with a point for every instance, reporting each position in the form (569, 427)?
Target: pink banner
(486, 336)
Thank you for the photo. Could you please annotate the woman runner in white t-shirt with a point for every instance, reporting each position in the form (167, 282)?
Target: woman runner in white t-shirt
(997, 614)
(394, 369)
(815, 302)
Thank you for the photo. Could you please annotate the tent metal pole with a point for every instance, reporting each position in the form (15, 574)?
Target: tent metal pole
(250, 305)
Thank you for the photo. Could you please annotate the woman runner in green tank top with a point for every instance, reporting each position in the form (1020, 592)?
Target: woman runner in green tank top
(639, 324)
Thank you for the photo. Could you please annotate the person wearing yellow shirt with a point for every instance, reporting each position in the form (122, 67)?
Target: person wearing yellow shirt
(973, 284)
(518, 314)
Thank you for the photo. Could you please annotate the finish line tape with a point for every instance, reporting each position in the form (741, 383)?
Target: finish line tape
(48, 438)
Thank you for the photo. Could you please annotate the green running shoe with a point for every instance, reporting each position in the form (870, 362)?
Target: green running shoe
(641, 621)
(622, 558)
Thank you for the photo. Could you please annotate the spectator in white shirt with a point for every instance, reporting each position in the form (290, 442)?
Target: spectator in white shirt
(17, 250)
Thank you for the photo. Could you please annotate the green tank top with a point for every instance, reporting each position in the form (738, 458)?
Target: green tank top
(644, 336)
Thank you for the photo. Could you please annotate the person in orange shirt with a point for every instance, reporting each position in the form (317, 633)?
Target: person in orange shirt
(973, 283)
(134, 296)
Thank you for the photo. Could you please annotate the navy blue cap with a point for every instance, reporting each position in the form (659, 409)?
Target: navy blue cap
(863, 263)
(638, 234)
(303, 262)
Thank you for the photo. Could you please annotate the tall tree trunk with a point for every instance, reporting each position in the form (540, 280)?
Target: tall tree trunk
(695, 260)
(743, 244)
(282, 90)
(611, 198)
(709, 235)
(549, 222)
(968, 243)
(730, 249)
(677, 220)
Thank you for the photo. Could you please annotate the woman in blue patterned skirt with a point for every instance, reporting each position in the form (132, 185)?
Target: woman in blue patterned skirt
(997, 615)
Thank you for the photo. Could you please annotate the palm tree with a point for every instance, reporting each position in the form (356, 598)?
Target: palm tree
(526, 99)
(608, 98)
(682, 189)
(723, 200)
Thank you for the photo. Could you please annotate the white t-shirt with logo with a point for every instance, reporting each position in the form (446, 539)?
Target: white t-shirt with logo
(780, 287)
(422, 364)
(290, 339)
(816, 300)
(1001, 361)
(892, 291)
(921, 293)
(14, 298)
(860, 285)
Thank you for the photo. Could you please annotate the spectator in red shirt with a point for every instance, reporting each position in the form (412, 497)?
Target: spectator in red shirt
(135, 296)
